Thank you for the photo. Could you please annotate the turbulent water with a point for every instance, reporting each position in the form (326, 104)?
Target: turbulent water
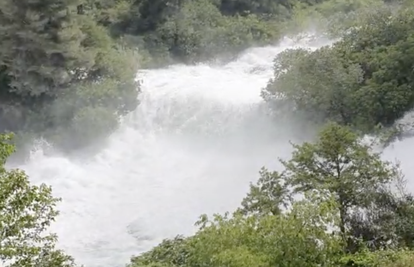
(199, 136)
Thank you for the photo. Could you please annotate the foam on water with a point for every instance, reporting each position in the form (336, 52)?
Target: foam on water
(198, 138)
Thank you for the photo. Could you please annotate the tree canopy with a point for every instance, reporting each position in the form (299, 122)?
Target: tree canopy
(332, 205)
(26, 212)
(67, 69)
(363, 80)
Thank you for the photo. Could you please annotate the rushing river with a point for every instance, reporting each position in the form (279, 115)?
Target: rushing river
(199, 136)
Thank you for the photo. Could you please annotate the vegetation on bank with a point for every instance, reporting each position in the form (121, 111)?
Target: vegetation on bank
(61, 75)
(364, 80)
(26, 212)
(335, 204)
(67, 69)
(353, 209)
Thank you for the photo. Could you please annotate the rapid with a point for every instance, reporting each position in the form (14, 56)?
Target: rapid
(199, 136)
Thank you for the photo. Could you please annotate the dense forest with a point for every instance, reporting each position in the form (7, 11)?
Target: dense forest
(68, 67)
(67, 73)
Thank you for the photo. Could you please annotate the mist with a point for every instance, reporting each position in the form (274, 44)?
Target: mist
(198, 138)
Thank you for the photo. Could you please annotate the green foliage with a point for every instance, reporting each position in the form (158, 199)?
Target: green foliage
(338, 167)
(334, 17)
(58, 65)
(202, 29)
(26, 211)
(199, 30)
(363, 80)
(61, 61)
(349, 172)
(267, 196)
(291, 239)
(194, 30)
(316, 83)
(338, 179)
(170, 252)
(384, 258)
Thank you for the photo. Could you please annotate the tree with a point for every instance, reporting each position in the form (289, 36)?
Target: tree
(170, 252)
(295, 238)
(268, 196)
(317, 84)
(343, 185)
(363, 80)
(26, 211)
(277, 9)
(41, 43)
(338, 166)
(60, 70)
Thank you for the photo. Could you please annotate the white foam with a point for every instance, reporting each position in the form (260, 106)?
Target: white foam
(193, 145)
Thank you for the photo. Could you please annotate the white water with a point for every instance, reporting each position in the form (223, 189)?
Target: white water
(198, 138)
